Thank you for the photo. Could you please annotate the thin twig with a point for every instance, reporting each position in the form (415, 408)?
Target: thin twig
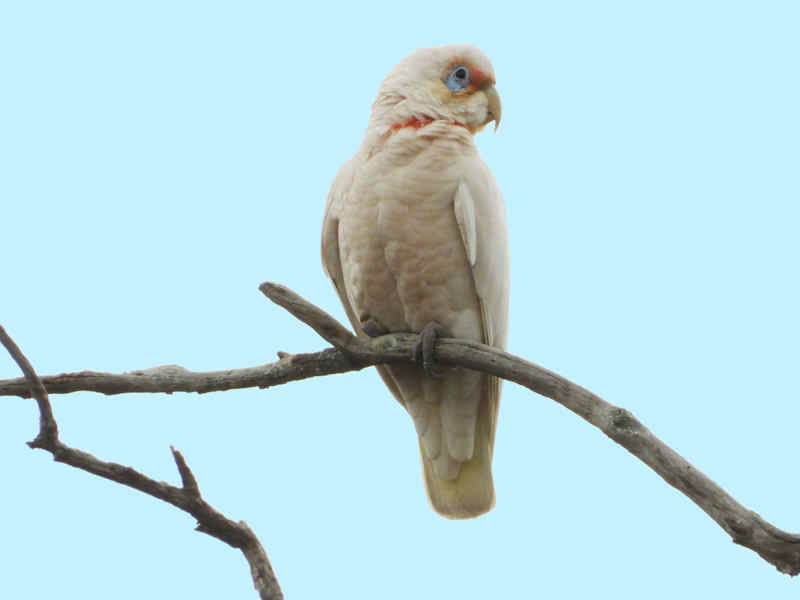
(187, 477)
(325, 325)
(187, 497)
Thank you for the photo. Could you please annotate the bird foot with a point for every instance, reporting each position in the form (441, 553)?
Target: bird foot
(423, 352)
(372, 327)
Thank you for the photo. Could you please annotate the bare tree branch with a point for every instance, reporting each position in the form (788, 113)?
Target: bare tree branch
(172, 378)
(745, 527)
(187, 497)
(48, 429)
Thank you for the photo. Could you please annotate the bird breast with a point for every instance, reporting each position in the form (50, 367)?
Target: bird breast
(403, 260)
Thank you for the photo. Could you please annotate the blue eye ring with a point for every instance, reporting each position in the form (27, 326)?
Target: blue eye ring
(458, 79)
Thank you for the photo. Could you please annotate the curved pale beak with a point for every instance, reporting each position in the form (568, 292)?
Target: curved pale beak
(495, 109)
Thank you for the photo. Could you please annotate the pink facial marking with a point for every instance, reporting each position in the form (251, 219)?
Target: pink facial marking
(419, 124)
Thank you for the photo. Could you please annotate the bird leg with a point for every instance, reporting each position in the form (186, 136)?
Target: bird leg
(423, 352)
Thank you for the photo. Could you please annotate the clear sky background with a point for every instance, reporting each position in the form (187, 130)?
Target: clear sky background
(158, 160)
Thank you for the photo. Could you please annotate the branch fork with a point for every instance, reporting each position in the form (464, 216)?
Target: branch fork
(187, 497)
(351, 353)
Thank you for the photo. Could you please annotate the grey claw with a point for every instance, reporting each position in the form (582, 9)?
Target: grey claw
(372, 327)
(423, 351)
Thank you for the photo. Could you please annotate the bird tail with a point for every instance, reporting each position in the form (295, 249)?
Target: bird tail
(471, 493)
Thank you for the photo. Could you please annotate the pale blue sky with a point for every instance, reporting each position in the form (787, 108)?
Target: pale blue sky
(158, 160)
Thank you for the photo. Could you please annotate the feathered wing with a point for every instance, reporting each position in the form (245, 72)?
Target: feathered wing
(480, 215)
(331, 258)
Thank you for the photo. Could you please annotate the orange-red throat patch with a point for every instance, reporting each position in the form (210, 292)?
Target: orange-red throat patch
(419, 124)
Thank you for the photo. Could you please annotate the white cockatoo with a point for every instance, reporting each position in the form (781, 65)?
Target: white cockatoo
(414, 238)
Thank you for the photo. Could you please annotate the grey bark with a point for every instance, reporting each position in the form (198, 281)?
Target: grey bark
(350, 353)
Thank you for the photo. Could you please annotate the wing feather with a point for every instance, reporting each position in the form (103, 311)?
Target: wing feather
(331, 259)
(481, 218)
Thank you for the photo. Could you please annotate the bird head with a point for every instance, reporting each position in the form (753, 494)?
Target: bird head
(449, 83)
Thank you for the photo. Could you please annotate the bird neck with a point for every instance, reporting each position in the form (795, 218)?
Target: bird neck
(419, 123)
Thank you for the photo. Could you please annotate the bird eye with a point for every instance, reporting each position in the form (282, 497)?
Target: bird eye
(458, 79)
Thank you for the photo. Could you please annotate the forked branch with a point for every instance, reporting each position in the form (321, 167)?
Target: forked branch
(351, 353)
(187, 497)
